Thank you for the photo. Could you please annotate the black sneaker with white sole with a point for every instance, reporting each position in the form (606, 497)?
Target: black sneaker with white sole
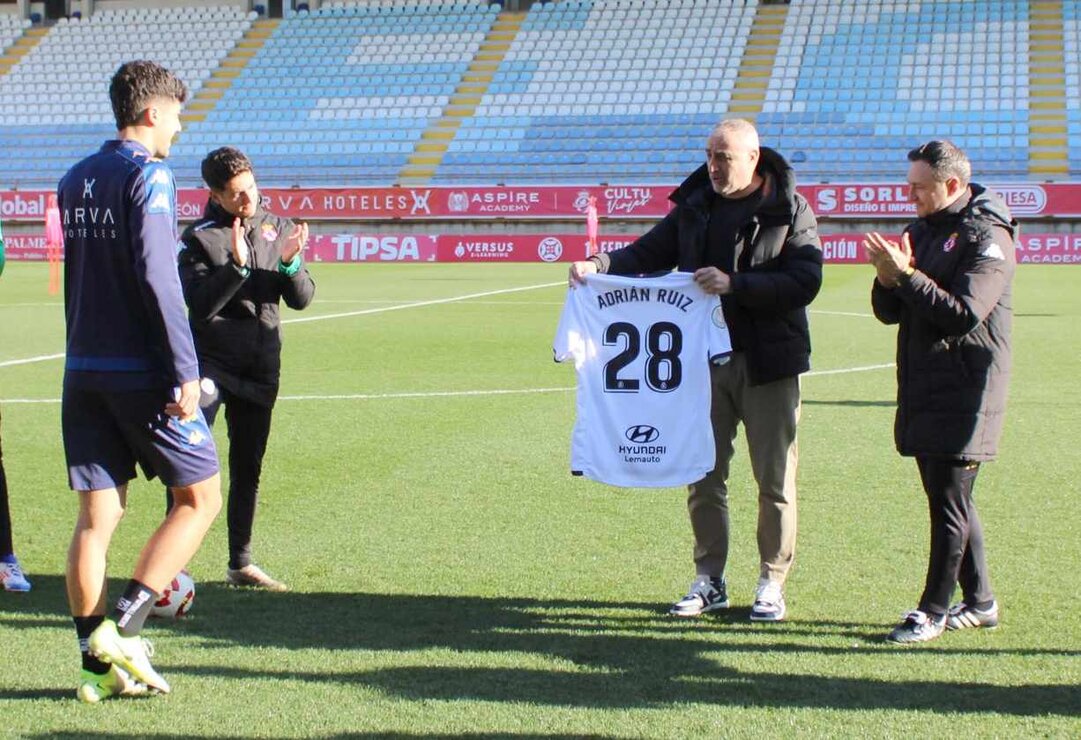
(917, 626)
(705, 595)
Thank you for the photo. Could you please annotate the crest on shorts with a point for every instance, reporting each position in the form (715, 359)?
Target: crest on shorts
(950, 243)
(270, 232)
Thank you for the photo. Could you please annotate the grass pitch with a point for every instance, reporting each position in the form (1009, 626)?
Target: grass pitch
(450, 577)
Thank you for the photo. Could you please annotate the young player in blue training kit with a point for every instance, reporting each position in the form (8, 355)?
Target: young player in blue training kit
(131, 378)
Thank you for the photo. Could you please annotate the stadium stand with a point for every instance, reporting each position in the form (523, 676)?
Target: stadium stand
(605, 89)
(1071, 34)
(342, 94)
(853, 85)
(457, 91)
(11, 28)
(55, 105)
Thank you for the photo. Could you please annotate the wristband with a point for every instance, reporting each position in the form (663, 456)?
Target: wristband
(290, 268)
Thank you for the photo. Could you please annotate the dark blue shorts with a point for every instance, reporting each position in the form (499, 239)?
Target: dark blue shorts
(107, 432)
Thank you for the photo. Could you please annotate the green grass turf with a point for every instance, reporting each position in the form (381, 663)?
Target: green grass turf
(450, 577)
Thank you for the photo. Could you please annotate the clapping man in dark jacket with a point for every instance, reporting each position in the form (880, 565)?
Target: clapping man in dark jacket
(236, 265)
(947, 287)
(740, 226)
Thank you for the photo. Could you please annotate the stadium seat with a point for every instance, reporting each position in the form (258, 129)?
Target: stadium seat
(583, 83)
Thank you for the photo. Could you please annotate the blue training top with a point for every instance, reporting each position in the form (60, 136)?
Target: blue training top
(127, 324)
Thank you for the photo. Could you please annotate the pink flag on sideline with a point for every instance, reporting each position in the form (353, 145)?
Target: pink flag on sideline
(54, 234)
(591, 224)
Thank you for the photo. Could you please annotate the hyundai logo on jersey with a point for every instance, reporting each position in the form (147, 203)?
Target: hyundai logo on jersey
(642, 434)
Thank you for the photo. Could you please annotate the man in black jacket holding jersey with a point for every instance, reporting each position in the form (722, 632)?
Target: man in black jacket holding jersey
(946, 286)
(236, 265)
(740, 226)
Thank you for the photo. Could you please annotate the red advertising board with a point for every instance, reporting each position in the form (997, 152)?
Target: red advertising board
(352, 247)
(407, 203)
(23, 205)
(881, 201)
(843, 248)
(25, 247)
(1049, 249)
(865, 201)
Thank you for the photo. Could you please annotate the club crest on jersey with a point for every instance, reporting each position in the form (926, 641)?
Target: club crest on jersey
(950, 243)
(270, 232)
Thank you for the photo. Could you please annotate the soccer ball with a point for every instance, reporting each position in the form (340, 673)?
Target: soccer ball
(176, 600)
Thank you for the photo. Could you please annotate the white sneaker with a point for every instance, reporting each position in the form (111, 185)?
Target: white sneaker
(132, 654)
(705, 595)
(768, 602)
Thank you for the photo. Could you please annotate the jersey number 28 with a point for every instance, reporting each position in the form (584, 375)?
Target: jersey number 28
(664, 341)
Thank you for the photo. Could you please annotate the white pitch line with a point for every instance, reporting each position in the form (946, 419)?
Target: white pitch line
(515, 303)
(472, 302)
(302, 319)
(362, 300)
(453, 394)
(843, 370)
(430, 394)
(436, 302)
(447, 394)
(845, 313)
(28, 360)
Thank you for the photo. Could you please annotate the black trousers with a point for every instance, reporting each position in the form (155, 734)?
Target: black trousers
(6, 548)
(957, 553)
(248, 425)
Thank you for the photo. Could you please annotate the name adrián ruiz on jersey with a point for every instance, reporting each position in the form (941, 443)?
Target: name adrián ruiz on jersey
(635, 294)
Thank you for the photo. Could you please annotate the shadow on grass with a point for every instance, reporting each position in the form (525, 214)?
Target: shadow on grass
(39, 694)
(612, 654)
(698, 682)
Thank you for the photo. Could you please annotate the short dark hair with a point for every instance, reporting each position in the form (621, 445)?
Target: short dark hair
(222, 165)
(946, 160)
(136, 85)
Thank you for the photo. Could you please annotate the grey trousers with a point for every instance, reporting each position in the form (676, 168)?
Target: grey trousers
(770, 414)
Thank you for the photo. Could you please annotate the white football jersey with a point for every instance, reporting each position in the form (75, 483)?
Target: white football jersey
(641, 349)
